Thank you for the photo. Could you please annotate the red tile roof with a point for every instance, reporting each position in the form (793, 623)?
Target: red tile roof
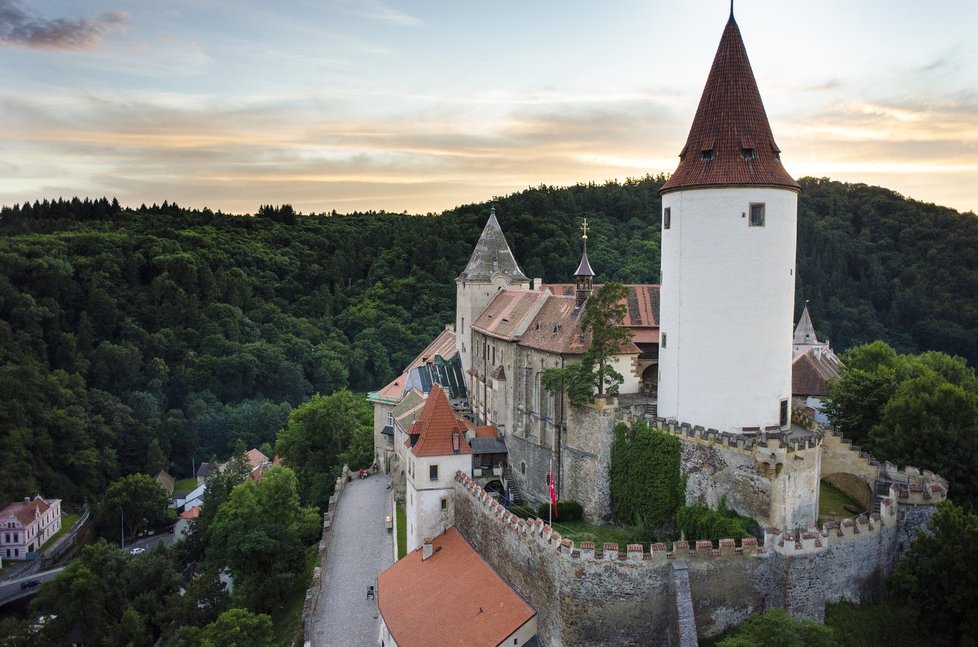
(507, 314)
(487, 431)
(642, 302)
(443, 344)
(729, 122)
(452, 598)
(191, 513)
(26, 511)
(436, 427)
(811, 372)
(255, 459)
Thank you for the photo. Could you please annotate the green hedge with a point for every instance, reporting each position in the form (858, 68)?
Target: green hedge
(700, 522)
(647, 488)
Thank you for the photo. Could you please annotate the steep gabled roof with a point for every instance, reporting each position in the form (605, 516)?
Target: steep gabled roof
(805, 330)
(812, 371)
(492, 256)
(452, 598)
(584, 269)
(436, 427)
(730, 141)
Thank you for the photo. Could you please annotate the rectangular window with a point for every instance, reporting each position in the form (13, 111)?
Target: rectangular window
(444, 503)
(756, 214)
(667, 218)
(463, 325)
(784, 413)
(663, 340)
(433, 472)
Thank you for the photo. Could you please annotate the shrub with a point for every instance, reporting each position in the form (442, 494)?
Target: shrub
(647, 487)
(700, 522)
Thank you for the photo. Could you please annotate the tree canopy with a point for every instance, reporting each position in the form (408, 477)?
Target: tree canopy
(919, 410)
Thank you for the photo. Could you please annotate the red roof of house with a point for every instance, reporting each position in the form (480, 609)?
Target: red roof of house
(487, 431)
(255, 459)
(191, 513)
(26, 511)
(452, 598)
(732, 125)
(436, 427)
(811, 372)
(642, 302)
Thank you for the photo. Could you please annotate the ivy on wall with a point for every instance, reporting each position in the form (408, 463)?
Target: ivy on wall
(647, 488)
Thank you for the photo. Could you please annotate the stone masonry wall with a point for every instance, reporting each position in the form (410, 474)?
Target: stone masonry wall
(604, 596)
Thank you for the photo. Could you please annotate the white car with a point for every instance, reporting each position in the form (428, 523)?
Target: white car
(137, 551)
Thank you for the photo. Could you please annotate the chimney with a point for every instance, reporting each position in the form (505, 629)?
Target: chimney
(426, 549)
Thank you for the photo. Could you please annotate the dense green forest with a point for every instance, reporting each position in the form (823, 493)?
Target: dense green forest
(135, 339)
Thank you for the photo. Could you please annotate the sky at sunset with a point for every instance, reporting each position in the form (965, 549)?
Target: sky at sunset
(425, 105)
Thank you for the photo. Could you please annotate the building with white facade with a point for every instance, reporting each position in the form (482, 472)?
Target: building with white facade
(437, 448)
(26, 525)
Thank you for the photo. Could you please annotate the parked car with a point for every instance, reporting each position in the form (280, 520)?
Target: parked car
(29, 585)
(137, 551)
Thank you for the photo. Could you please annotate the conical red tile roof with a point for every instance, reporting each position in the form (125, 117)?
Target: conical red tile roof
(436, 425)
(730, 141)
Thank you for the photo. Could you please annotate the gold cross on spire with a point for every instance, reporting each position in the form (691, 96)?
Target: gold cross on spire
(584, 227)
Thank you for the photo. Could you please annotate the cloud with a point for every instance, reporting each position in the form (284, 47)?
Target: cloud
(19, 28)
(374, 10)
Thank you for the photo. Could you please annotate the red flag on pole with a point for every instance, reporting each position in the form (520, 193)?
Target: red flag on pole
(553, 489)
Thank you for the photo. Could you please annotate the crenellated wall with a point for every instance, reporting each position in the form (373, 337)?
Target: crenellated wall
(603, 595)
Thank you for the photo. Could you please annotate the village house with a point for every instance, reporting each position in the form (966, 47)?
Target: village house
(465, 602)
(26, 525)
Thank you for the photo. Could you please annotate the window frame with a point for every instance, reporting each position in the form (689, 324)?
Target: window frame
(760, 208)
(667, 218)
(433, 472)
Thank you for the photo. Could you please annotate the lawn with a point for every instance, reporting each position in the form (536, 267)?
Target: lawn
(832, 504)
(401, 531)
(184, 486)
(67, 521)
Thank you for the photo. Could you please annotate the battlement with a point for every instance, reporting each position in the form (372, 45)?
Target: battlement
(536, 530)
(910, 486)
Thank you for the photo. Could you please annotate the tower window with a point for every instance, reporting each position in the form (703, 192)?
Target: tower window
(756, 214)
(784, 413)
(747, 153)
(667, 218)
(433, 472)
(707, 155)
(663, 340)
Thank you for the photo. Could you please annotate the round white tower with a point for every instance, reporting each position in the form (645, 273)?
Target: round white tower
(729, 219)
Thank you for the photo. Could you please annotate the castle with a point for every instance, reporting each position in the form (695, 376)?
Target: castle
(712, 361)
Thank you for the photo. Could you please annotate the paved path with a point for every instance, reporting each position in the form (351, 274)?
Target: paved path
(360, 549)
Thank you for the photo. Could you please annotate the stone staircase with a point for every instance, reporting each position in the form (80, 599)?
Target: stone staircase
(512, 489)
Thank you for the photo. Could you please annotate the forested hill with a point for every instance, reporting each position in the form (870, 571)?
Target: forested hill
(137, 339)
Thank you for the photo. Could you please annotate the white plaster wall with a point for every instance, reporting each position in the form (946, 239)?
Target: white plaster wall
(625, 364)
(424, 514)
(520, 637)
(727, 301)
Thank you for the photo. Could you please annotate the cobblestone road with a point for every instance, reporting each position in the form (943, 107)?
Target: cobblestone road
(360, 550)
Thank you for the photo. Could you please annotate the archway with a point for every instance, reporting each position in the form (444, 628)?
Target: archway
(494, 489)
(843, 495)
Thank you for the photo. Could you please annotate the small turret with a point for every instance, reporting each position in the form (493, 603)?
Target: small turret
(584, 273)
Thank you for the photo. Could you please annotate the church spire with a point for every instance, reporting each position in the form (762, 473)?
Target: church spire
(730, 141)
(584, 273)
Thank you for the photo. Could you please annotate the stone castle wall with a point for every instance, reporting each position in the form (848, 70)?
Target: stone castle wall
(602, 595)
